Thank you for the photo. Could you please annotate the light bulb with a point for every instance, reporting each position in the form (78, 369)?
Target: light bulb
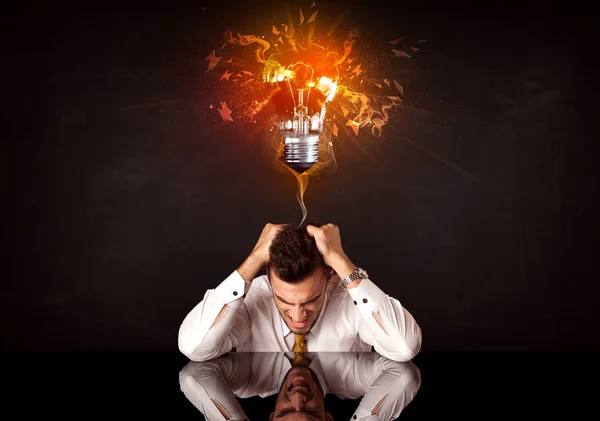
(305, 82)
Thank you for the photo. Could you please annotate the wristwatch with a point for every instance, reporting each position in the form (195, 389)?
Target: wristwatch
(358, 273)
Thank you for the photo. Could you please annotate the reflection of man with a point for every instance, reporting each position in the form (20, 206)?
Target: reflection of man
(385, 387)
(312, 298)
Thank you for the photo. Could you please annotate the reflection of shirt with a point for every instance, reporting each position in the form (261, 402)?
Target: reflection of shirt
(348, 375)
(351, 320)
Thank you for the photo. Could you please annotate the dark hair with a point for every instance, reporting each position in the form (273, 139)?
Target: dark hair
(294, 253)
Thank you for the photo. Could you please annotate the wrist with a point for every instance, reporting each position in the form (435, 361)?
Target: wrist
(343, 266)
(250, 267)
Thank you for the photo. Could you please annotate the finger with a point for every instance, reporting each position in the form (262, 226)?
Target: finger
(311, 229)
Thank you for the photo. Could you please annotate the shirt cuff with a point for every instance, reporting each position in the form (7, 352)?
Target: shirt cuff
(367, 296)
(232, 288)
(362, 414)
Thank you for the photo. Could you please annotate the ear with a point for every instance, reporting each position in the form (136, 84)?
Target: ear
(327, 415)
(273, 413)
(330, 275)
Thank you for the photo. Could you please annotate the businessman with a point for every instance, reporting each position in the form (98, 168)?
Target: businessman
(312, 298)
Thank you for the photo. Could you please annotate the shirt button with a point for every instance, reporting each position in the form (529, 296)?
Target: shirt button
(354, 302)
(235, 293)
(365, 300)
(354, 417)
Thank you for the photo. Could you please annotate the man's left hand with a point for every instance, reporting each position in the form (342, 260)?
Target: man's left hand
(329, 243)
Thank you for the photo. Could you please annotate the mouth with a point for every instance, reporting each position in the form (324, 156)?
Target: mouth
(299, 324)
(299, 384)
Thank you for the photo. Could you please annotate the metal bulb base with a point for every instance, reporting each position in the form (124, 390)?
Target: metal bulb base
(301, 152)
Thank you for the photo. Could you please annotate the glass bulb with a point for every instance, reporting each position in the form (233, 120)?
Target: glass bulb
(305, 83)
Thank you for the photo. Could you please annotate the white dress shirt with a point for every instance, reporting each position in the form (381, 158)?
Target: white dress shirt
(348, 375)
(349, 321)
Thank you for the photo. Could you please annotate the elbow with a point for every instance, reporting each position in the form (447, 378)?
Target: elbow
(189, 347)
(410, 347)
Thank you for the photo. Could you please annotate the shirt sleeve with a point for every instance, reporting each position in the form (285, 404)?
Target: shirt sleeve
(384, 323)
(392, 390)
(208, 386)
(201, 342)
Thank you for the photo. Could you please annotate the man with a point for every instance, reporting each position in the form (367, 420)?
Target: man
(312, 298)
(219, 388)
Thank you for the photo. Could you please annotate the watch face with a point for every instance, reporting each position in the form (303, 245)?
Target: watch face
(363, 273)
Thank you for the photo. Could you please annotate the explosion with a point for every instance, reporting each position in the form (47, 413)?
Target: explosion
(305, 89)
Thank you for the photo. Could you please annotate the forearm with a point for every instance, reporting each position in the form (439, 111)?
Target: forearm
(386, 323)
(390, 393)
(209, 386)
(206, 332)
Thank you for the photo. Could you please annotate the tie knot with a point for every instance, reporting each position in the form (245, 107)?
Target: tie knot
(299, 343)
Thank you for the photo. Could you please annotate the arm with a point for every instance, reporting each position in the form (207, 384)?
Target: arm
(221, 320)
(394, 388)
(383, 323)
(210, 386)
(218, 323)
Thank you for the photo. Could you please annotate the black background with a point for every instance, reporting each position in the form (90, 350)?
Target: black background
(126, 200)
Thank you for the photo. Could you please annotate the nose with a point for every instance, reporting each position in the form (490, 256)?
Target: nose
(298, 400)
(298, 313)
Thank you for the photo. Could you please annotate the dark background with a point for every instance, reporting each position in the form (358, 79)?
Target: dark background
(124, 204)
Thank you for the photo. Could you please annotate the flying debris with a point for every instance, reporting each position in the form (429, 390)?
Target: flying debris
(399, 53)
(246, 72)
(280, 40)
(387, 82)
(379, 85)
(335, 130)
(414, 50)
(345, 111)
(355, 126)
(226, 75)
(230, 60)
(301, 17)
(312, 17)
(275, 31)
(313, 5)
(399, 87)
(357, 70)
(421, 41)
(212, 61)
(225, 112)
(396, 41)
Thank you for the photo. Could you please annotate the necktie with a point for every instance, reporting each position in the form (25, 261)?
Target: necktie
(300, 359)
(299, 343)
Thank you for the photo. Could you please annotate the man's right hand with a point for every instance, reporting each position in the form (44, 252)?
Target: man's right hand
(261, 249)
(259, 256)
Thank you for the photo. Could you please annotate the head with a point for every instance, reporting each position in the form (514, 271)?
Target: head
(298, 276)
(300, 398)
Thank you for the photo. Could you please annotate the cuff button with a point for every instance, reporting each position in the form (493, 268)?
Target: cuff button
(235, 293)
(354, 302)
(365, 300)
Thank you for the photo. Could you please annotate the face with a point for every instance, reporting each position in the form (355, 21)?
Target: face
(300, 303)
(300, 397)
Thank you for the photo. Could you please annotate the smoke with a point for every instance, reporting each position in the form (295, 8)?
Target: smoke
(247, 40)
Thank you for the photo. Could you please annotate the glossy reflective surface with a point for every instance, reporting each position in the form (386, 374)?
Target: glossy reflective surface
(468, 386)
